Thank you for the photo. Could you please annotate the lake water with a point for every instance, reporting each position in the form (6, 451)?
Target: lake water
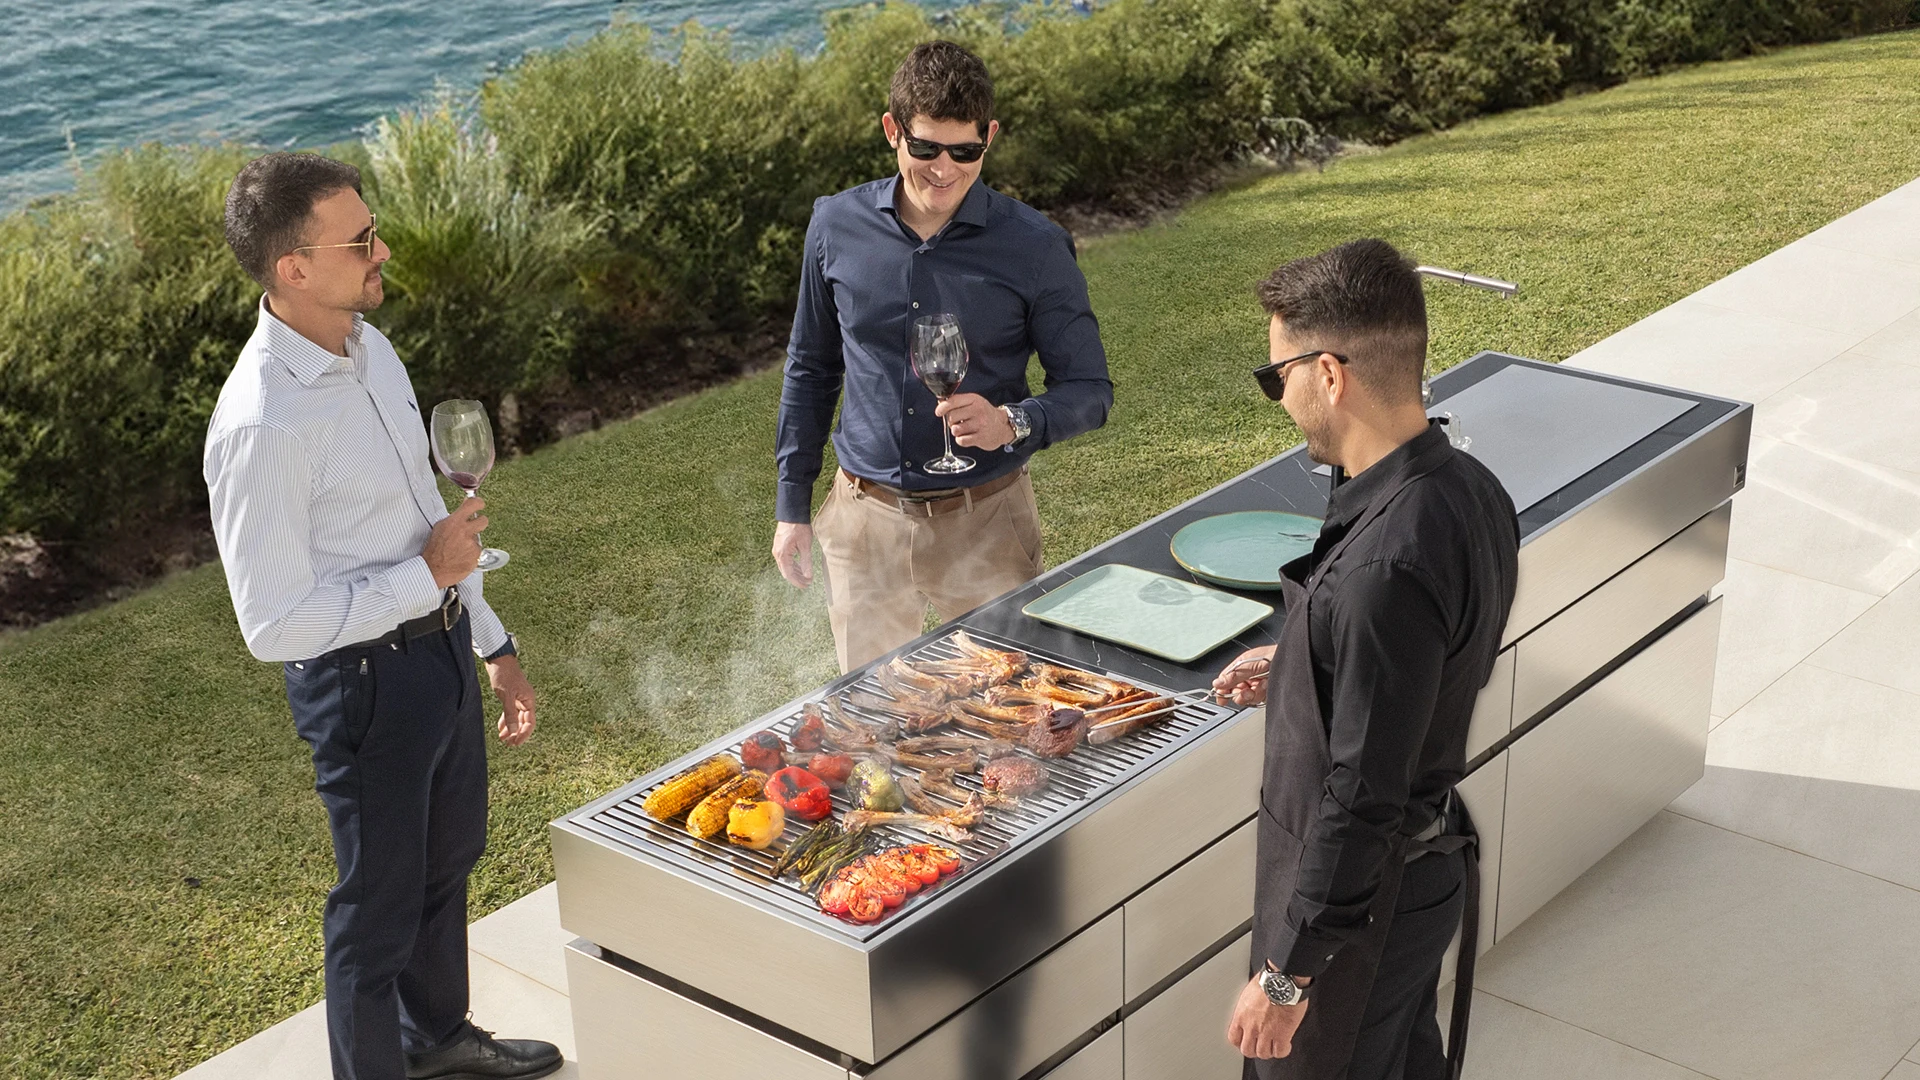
(283, 74)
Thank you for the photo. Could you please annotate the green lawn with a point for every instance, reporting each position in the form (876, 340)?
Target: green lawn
(141, 747)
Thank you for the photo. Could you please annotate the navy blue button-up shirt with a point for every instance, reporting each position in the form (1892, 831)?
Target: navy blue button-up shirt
(1002, 267)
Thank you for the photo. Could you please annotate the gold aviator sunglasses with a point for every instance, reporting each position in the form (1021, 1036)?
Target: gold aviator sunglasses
(366, 242)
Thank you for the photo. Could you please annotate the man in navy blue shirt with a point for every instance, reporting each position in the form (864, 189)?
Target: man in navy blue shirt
(928, 241)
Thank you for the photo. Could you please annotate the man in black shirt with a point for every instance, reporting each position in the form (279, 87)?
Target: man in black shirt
(1392, 625)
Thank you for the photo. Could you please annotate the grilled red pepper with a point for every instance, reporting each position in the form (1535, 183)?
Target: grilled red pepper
(764, 750)
(832, 769)
(811, 733)
(801, 792)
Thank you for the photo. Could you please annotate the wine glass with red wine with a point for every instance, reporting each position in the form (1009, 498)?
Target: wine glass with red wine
(463, 447)
(939, 356)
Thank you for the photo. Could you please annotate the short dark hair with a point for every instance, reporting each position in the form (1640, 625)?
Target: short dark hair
(941, 81)
(271, 201)
(1362, 299)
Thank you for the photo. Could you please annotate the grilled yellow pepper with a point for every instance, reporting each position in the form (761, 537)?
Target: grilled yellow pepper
(755, 823)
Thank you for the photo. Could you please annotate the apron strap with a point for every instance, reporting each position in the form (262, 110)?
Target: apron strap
(1463, 836)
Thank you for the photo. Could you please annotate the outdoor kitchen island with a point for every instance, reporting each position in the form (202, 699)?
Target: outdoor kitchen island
(1100, 928)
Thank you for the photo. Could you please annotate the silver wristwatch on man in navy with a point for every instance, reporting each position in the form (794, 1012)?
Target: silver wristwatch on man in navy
(1280, 987)
(1022, 424)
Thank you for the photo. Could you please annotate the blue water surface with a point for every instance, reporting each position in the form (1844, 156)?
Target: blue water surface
(285, 73)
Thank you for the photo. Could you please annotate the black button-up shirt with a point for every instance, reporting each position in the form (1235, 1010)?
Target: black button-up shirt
(1002, 267)
(1405, 625)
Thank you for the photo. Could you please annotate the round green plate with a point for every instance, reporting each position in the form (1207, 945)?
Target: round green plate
(1244, 550)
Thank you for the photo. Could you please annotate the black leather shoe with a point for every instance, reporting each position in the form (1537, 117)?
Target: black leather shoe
(480, 1056)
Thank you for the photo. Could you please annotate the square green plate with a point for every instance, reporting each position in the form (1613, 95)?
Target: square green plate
(1151, 612)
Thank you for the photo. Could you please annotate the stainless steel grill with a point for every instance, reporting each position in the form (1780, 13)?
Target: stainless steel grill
(1078, 779)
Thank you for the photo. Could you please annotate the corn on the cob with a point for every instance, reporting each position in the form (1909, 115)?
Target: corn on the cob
(709, 819)
(689, 786)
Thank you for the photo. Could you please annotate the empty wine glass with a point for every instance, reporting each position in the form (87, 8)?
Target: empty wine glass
(939, 354)
(463, 448)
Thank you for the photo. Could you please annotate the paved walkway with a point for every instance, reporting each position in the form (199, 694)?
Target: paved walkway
(1767, 925)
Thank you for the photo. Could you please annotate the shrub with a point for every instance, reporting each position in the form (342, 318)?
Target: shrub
(602, 195)
(120, 312)
(487, 284)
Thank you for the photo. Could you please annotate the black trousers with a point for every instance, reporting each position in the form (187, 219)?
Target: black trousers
(1399, 1035)
(400, 762)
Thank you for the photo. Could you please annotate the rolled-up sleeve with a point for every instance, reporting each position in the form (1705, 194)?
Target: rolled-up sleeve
(1065, 334)
(1390, 641)
(815, 371)
(258, 485)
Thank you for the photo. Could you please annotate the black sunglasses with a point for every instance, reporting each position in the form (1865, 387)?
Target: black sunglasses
(1273, 377)
(965, 153)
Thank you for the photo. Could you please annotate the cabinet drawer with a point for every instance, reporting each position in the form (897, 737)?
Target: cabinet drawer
(1185, 913)
(1182, 1033)
(1098, 1060)
(1024, 1021)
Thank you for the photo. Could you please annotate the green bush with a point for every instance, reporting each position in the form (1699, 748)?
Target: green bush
(633, 185)
(120, 313)
(487, 285)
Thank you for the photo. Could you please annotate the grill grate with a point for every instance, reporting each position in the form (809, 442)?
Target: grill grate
(1079, 778)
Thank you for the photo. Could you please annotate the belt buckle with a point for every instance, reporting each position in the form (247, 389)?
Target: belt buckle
(450, 609)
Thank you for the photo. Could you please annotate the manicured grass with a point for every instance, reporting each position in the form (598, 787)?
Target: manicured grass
(165, 858)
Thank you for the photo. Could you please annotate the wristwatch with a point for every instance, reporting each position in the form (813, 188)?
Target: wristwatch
(1022, 424)
(511, 648)
(1280, 987)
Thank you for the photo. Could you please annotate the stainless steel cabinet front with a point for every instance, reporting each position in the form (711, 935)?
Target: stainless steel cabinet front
(1024, 1021)
(1098, 1060)
(1185, 913)
(1595, 771)
(1182, 1033)
(628, 1028)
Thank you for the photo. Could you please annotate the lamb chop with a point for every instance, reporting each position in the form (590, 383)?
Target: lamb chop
(951, 825)
(1111, 689)
(987, 727)
(912, 718)
(940, 782)
(1006, 712)
(1000, 666)
(901, 689)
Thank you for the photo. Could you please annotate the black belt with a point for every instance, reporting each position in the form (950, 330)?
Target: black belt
(438, 621)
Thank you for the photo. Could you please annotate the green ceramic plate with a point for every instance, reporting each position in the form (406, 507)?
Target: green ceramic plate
(1244, 550)
(1150, 612)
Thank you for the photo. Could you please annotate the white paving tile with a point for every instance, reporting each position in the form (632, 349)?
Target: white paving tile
(1714, 350)
(526, 937)
(1844, 522)
(1864, 827)
(1905, 1070)
(1855, 407)
(1883, 644)
(1843, 291)
(1914, 1054)
(513, 1006)
(1824, 725)
(1900, 341)
(1675, 945)
(293, 1049)
(1508, 1042)
(1888, 227)
(1773, 621)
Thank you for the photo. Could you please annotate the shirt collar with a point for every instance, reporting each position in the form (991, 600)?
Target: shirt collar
(1352, 498)
(975, 209)
(306, 360)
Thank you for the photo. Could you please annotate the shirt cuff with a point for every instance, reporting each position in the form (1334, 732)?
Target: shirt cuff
(793, 503)
(1305, 957)
(414, 590)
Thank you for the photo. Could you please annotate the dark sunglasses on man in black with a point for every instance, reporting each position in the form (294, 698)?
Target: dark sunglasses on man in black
(965, 153)
(1273, 377)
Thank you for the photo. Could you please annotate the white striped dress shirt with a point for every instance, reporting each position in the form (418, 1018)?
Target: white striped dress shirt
(322, 495)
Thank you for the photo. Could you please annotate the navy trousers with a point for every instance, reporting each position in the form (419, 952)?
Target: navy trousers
(400, 762)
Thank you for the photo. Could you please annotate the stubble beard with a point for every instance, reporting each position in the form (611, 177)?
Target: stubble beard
(1312, 422)
(372, 294)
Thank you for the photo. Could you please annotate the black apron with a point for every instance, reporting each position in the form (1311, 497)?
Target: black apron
(1297, 765)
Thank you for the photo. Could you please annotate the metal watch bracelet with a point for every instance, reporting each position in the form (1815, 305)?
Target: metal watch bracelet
(1281, 989)
(1022, 424)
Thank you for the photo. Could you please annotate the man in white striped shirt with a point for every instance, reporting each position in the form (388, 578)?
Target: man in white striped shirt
(345, 566)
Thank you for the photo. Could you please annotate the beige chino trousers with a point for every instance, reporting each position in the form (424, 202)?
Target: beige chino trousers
(884, 565)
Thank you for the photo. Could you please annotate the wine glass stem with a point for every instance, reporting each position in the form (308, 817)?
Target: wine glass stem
(472, 493)
(946, 429)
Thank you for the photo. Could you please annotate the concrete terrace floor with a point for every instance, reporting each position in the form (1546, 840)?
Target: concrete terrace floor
(1766, 925)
